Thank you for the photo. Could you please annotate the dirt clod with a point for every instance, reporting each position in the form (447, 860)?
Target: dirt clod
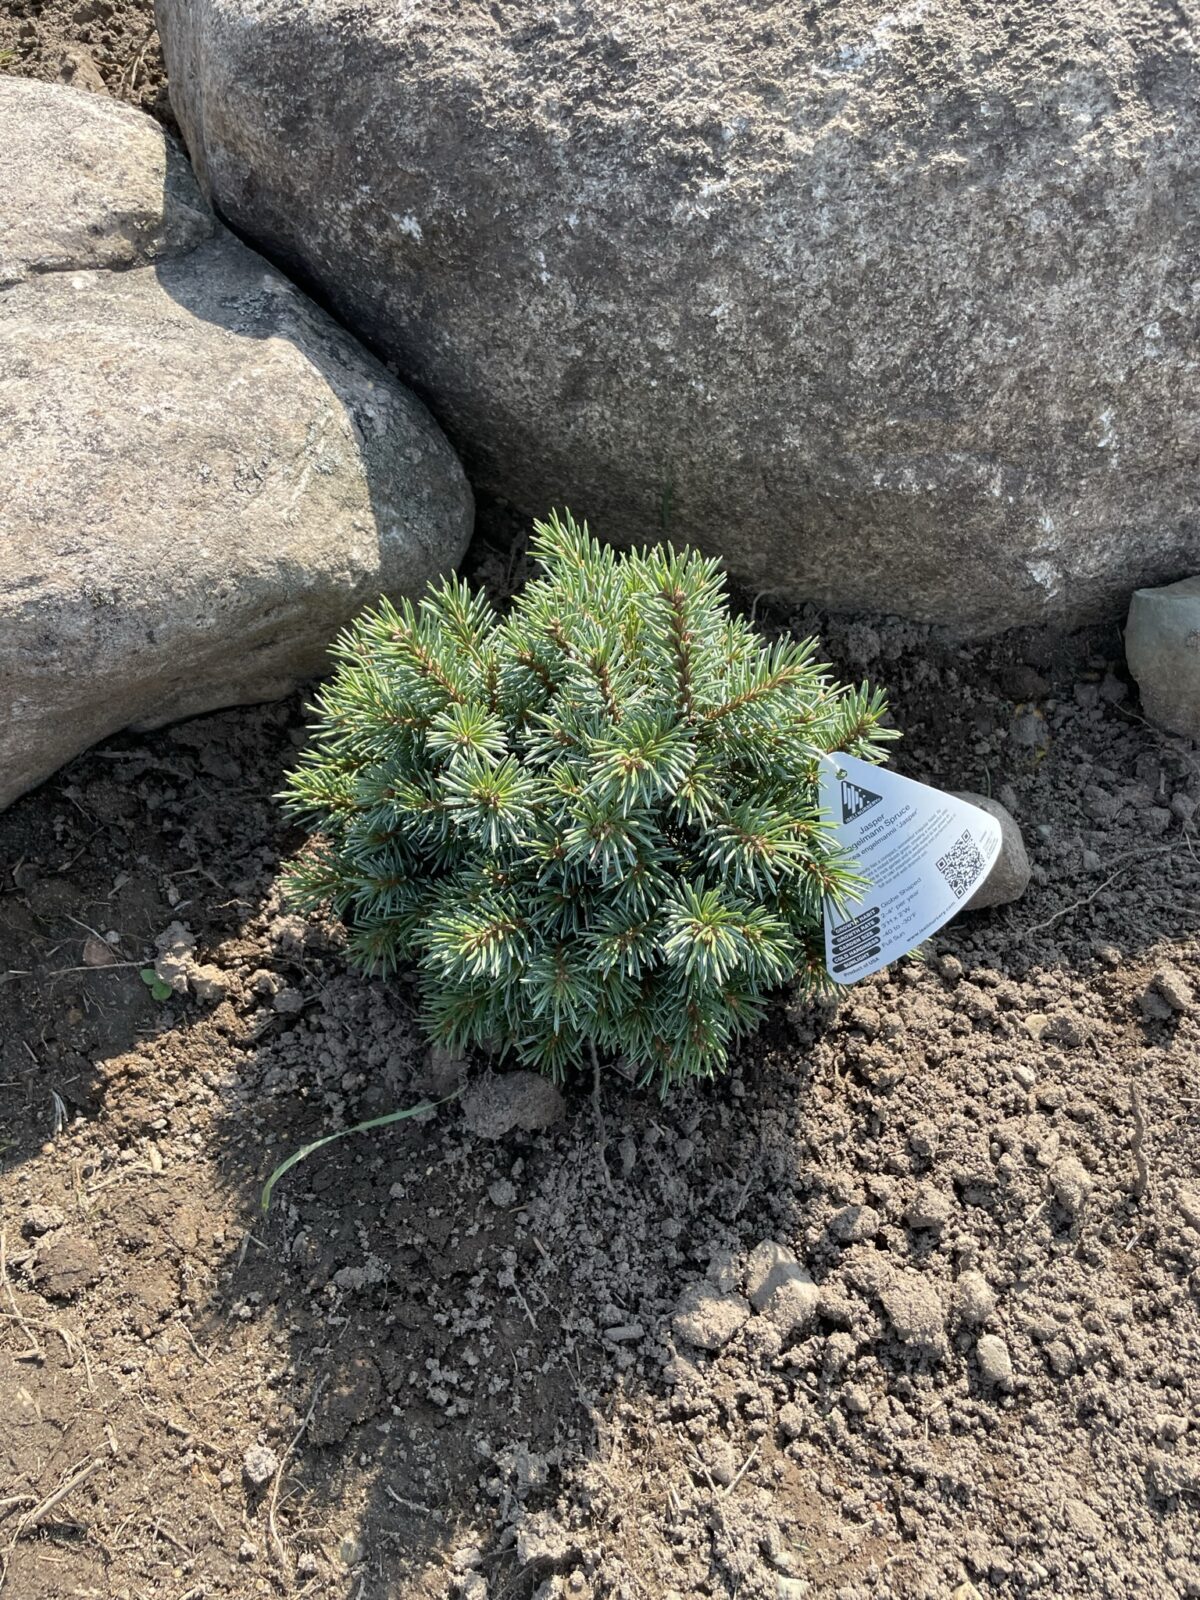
(496, 1105)
(259, 1466)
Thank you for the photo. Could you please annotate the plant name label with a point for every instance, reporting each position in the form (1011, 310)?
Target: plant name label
(923, 853)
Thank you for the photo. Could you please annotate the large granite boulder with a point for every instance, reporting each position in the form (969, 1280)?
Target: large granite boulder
(202, 477)
(891, 305)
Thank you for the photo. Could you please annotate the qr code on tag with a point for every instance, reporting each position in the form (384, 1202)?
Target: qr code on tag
(961, 865)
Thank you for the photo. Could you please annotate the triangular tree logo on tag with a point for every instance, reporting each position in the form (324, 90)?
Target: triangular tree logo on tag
(856, 800)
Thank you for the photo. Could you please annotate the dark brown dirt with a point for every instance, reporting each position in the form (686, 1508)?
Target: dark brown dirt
(460, 1352)
(449, 1366)
(94, 44)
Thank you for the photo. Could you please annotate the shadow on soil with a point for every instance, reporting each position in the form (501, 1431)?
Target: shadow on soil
(432, 1336)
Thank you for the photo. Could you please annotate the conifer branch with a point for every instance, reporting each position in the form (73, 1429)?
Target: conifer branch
(592, 824)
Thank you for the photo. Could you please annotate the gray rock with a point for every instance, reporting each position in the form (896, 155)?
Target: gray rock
(88, 184)
(1009, 877)
(974, 1298)
(856, 1400)
(708, 1319)
(794, 1305)
(770, 1265)
(1082, 1520)
(259, 1465)
(884, 307)
(995, 1362)
(1162, 647)
(203, 476)
(915, 1310)
(852, 1224)
(496, 1105)
(1174, 988)
(1071, 1184)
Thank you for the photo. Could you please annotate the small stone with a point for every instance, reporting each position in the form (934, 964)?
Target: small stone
(923, 1137)
(915, 1311)
(722, 1462)
(974, 1299)
(1009, 877)
(708, 1319)
(770, 1265)
(1070, 1183)
(995, 1362)
(1162, 647)
(1024, 1074)
(929, 1208)
(474, 1586)
(1083, 1520)
(1035, 1024)
(624, 1332)
(856, 1400)
(497, 1105)
(502, 1193)
(41, 1219)
(247, 1550)
(1060, 1358)
(1175, 989)
(78, 70)
(259, 1465)
(208, 983)
(854, 1224)
(351, 1550)
(288, 1002)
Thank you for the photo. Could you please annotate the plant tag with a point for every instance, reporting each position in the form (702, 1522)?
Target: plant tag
(922, 852)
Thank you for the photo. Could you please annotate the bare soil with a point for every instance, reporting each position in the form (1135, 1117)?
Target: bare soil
(93, 44)
(461, 1353)
(446, 1365)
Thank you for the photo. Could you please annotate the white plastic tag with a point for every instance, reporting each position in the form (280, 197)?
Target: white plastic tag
(922, 852)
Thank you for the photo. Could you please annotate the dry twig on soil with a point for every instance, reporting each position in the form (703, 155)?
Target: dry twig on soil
(277, 1545)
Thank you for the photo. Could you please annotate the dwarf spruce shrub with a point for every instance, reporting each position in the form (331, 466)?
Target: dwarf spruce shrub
(591, 823)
